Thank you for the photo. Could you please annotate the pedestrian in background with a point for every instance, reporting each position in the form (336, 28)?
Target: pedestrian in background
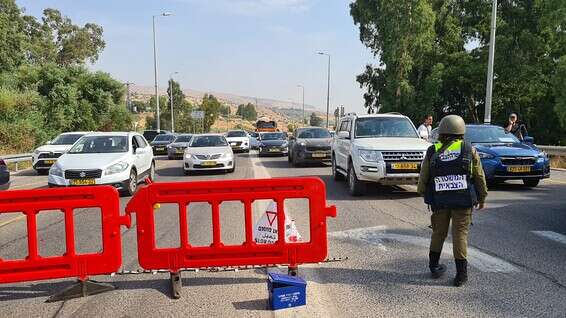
(425, 129)
(452, 182)
(515, 127)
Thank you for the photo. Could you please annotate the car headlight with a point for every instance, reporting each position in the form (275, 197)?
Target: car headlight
(226, 155)
(188, 155)
(484, 155)
(302, 144)
(371, 155)
(55, 170)
(542, 157)
(116, 168)
(36, 152)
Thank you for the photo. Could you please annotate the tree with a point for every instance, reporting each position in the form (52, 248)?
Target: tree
(433, 59)
(211, 107)
(315, 120)
(247, 111)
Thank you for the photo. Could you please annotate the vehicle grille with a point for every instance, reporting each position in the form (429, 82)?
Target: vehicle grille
(403, 155)
(518, 161)
(318, 148)
(49, 155)
(208, 157)
(220, 165)
(83, 174)
(235, 143)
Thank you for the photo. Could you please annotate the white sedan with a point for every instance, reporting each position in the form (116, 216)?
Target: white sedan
(208, 152)
(121, 160)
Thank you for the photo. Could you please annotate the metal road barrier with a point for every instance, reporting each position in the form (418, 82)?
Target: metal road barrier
(36, 267)
(553, 150)
(17, 158)
(217, 254)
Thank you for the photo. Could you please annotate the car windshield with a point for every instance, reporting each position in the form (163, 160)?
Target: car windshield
(314, 133)
(164, 138)
(209, 141)
(67, 139)
(384, 127)
(100, 144)
(184, 138)
(489, 135)
(236, 134)
(272, 136)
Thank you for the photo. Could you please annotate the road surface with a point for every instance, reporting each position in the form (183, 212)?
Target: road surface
(517, 256)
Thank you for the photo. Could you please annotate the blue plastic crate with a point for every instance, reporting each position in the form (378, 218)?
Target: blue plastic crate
(286, 291)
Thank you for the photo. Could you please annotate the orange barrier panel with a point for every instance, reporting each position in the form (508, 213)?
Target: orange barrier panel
(33, 202)
(220, 255)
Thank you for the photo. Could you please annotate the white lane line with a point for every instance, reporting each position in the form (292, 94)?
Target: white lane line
(378, 236)
(320, 304)
(553, 236)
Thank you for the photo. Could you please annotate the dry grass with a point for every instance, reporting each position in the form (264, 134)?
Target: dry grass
(558, 162)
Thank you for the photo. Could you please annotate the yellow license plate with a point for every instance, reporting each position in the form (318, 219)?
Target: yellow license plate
(49, 162)
(82, 182)
(405, 166)
(273, 150)
(209, 163)
(319, 155)
(179, 151)
(519, 169)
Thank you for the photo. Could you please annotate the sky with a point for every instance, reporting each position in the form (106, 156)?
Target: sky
(259, 48)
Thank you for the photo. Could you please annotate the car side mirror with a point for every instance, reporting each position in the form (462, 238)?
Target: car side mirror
(49, 142)
(528, 140)
(343, 134)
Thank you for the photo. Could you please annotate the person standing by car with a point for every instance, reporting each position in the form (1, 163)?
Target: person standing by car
(452, 182)
(425, 129)
(515, 127)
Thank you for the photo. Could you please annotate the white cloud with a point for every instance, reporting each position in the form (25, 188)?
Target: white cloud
(252, 7)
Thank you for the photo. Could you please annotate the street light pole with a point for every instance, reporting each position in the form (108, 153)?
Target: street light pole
(164, 14)
(171, 100)
(489, 88)
(303, 89)
(328, 89)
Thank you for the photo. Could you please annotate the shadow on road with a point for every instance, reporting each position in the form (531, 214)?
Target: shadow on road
(170, 172)
(256, 304)
(160, 285)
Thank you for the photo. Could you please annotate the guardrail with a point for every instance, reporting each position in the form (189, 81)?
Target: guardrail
(17, 158)
(553, 150)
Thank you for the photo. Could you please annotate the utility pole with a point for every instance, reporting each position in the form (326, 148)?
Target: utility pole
(164, 14)
(128, 97)
(328, 89)
(171, 100)
(489, 86)
(303, 89)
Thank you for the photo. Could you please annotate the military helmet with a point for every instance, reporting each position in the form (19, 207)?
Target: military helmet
(452, 125)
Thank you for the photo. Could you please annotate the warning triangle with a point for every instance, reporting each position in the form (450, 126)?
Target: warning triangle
(271, 217)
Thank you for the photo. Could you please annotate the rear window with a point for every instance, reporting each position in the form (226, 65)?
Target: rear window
(164, 138)
(67, 139)
(236, 134)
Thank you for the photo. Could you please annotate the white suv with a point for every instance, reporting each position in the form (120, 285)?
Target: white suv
(121, 160)
(381, 148)
(45, 156)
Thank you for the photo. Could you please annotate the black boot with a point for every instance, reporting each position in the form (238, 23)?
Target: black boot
(436, 270)
(461, 272)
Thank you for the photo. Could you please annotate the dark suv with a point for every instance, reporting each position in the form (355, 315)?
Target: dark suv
(149, 135)
(4, 176)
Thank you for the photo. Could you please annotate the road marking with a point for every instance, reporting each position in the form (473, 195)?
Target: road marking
(378, 236)
(21, 217)
(555, 181)
(553, 236)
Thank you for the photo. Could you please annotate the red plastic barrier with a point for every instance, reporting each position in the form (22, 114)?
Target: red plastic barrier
(217, 254)
(71, 264)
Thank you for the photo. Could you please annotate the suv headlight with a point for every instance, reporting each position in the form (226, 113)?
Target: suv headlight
(116, 168)
(302, 144)
(188, 156)
(484, 155)
(542, 157)
(55, 170)
(371, 155)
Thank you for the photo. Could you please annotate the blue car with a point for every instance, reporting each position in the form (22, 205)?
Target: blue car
(504, 157)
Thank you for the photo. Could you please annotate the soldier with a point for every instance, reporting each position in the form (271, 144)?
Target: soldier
(453, 183)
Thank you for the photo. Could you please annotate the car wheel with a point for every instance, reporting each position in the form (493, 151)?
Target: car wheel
(152, 172)
(355, 186)
(233, 167)
(531, 183)
(186, 172)
(170, 157)
(335, 173)
(132, 183)
(289, 157)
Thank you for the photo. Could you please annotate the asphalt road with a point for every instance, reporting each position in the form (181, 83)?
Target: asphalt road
(517, 256)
